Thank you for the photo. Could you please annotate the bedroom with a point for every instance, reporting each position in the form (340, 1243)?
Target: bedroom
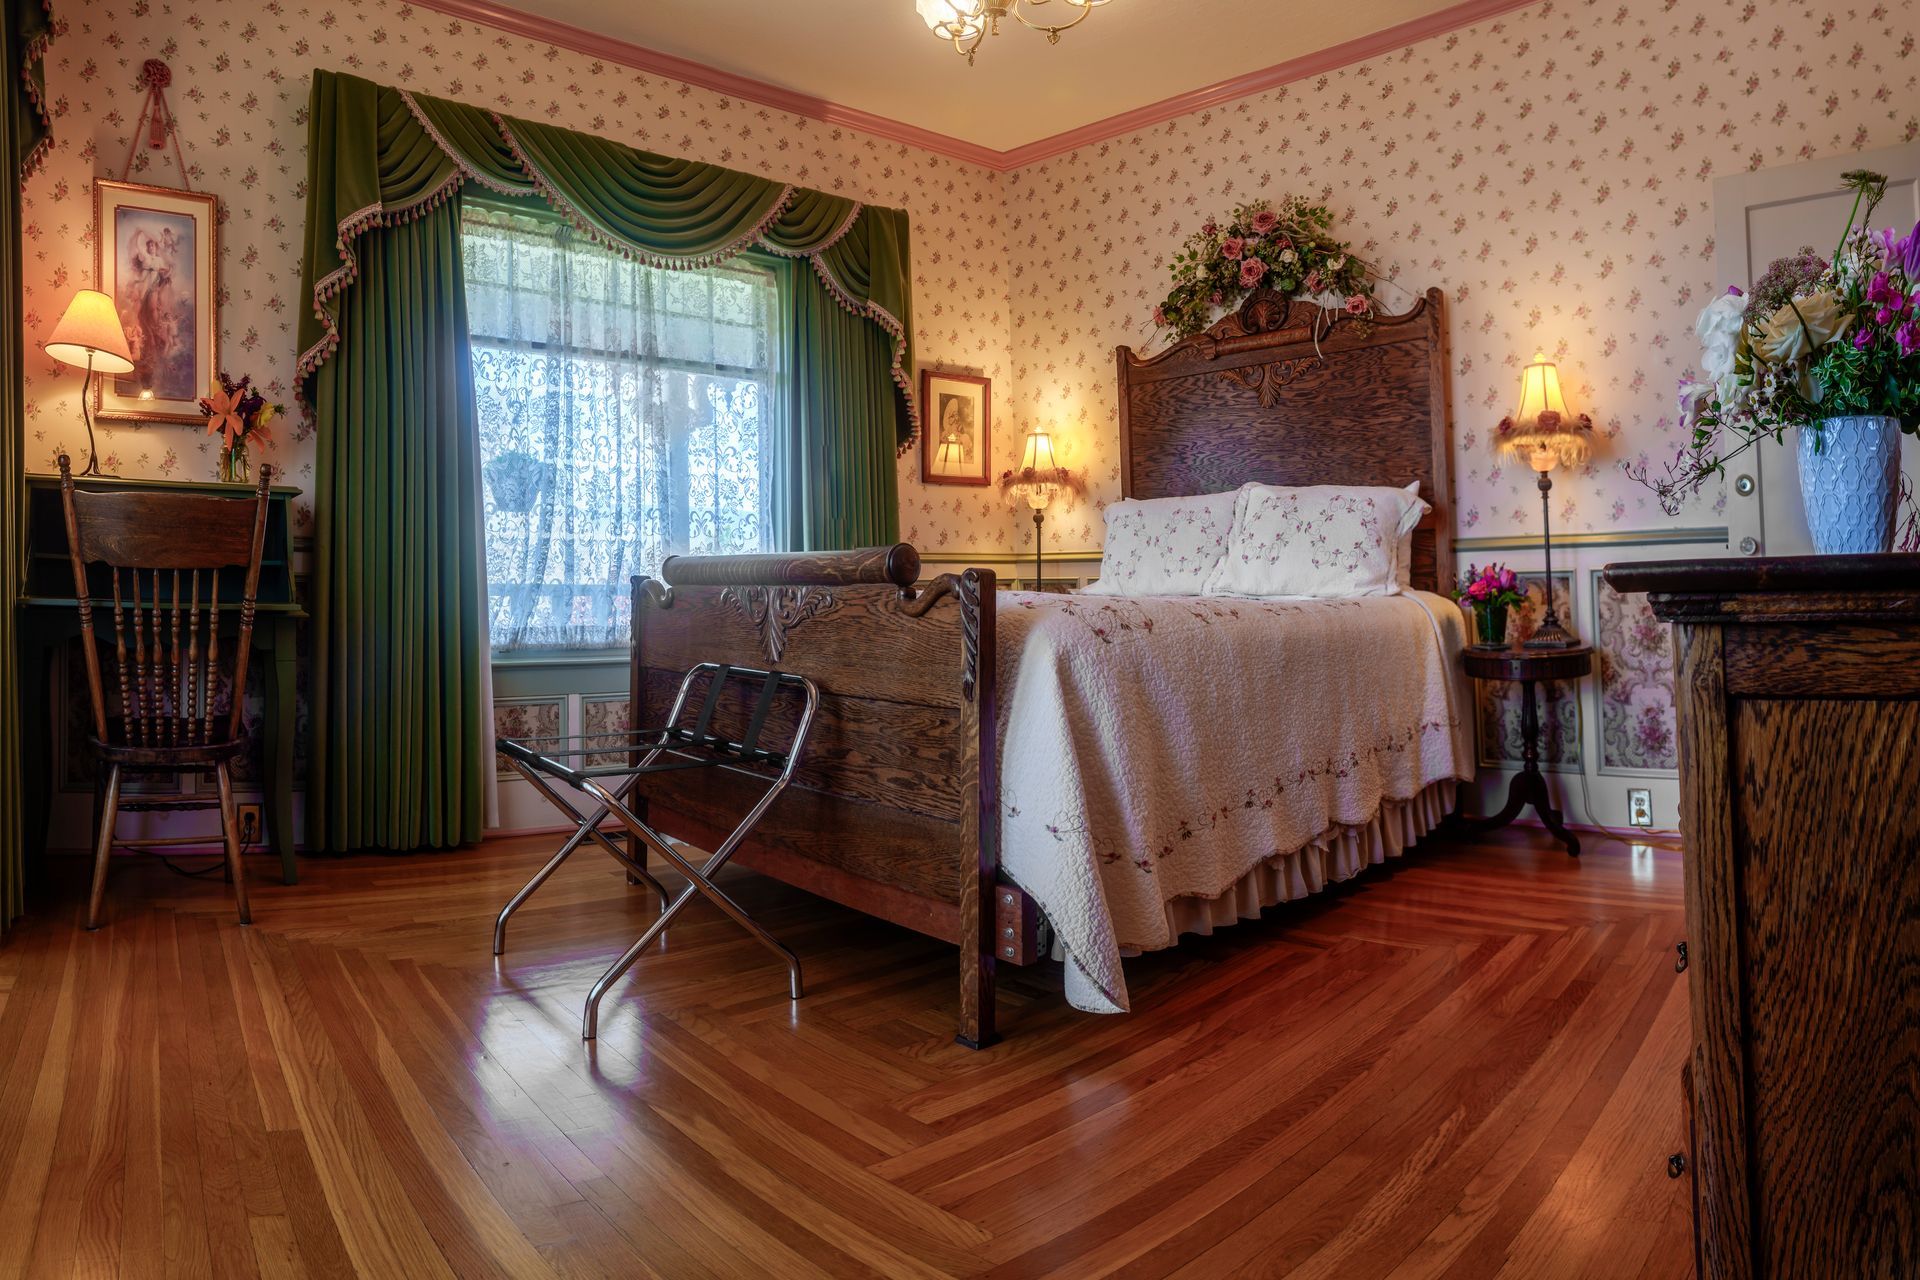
(542, 295)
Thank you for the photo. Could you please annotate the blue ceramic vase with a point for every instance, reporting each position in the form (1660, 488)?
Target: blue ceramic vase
(1850, 483)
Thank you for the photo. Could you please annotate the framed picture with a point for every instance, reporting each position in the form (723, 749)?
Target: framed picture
(155, 255)
(956, 427)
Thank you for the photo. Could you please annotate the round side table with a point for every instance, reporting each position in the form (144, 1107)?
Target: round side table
(1527, 667)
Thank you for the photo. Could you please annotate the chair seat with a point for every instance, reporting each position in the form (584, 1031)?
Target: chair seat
(169, 745)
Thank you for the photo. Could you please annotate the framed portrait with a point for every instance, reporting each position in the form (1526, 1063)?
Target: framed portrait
(156, 256)
(956, 427)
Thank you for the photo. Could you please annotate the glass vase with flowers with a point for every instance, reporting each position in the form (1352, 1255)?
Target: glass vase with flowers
(1489, 593)
(239, 414)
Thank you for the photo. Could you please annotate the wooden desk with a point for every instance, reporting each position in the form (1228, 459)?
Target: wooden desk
(49, 619)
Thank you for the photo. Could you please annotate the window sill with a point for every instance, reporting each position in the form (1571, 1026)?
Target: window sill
(520, 658)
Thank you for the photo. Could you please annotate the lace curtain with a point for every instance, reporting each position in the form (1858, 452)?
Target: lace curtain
(623, 417)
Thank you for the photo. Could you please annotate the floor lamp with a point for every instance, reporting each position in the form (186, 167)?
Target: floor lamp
(89, 337)
(1037, 465)
(1544, 433)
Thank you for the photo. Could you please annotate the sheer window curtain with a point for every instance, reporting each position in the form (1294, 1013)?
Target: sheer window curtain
(623, 417)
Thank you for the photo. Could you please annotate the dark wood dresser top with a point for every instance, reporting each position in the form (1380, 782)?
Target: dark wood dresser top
(1776, 588)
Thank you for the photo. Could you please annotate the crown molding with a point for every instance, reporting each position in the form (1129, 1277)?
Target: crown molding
(640, 58)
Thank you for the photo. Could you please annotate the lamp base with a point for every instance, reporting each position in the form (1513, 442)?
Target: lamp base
(1551, 635)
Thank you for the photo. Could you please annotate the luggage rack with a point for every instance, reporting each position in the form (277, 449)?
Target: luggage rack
(673, 748)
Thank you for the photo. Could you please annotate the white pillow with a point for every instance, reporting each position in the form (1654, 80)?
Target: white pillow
(1163, 546)
(1319, 540)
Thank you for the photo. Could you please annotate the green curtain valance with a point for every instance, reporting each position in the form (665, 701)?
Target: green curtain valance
(29, 33)
(394, 155)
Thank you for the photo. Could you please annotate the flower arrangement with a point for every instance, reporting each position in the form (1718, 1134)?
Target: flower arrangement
(1285, 247)
(240, 413)
(1817, 339)
(1490, 592)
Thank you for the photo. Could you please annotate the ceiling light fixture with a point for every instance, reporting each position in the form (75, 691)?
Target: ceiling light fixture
(965, 23)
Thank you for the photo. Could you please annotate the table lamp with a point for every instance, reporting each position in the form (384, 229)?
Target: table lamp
(89, 336)
(1546, 435)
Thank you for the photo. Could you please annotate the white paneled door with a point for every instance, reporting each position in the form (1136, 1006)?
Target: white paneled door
(1772, 213)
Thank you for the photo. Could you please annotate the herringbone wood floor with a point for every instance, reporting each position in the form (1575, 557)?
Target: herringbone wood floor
(1465, 1067)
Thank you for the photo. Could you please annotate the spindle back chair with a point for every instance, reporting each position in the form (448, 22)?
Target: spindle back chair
(165, 558)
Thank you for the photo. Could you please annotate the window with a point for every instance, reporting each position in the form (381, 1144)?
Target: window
(622, 419)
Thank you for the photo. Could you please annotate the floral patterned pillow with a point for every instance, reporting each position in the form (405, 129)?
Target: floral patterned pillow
(1322, 540)
(1163, 546)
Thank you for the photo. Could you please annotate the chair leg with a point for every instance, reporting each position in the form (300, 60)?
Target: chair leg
(103, 844)
(230, 828)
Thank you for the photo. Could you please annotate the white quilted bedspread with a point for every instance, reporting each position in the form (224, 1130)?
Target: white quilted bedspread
(1159, 747)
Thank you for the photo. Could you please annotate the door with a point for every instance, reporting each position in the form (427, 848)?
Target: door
(1773, 213)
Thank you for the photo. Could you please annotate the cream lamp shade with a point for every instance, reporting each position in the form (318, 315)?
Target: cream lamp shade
(89, 334)
(1542, 430)
(1038, 461)
(950, 459)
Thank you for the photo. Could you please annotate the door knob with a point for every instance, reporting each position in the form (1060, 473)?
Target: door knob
(1744, 486)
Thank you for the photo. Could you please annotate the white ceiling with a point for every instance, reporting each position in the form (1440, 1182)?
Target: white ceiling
(877, 55)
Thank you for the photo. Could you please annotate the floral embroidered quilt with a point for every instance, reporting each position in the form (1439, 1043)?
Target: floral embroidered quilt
(1158, 747)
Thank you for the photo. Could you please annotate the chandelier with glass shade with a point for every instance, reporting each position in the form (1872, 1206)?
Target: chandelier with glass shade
(965, 23)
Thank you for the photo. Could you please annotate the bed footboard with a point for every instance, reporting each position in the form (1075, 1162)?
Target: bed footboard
(894, 809)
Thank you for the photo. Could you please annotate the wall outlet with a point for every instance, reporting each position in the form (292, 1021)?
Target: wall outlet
(253, 826)
(1639, 807)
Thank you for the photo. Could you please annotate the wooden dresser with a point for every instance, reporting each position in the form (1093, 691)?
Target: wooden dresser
(1798, 688)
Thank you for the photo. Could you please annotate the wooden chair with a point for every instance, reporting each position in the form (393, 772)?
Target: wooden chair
(172, 715)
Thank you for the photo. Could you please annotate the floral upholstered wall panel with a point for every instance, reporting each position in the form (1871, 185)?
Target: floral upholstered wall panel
(1499, 703)
(1635, 666)
(526, 718)
(605, 716)
(240, 79)
(1550, 170)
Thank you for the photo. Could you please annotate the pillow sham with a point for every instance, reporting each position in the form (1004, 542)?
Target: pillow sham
(1163, 546)
(1317, 540)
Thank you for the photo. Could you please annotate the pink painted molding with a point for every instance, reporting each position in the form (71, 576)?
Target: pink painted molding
(687, 71)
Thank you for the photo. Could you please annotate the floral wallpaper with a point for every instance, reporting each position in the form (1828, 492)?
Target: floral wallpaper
(240, 78)
(1634, 664)
(1551, 170)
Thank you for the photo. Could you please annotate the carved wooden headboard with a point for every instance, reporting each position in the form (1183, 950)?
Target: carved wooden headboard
(1252, 399)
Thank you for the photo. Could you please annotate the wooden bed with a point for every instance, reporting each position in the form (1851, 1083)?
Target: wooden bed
(894, 809)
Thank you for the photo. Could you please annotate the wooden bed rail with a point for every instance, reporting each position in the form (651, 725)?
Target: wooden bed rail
(898, 564)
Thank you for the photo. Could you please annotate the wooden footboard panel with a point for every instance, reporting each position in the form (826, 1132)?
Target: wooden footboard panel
(889, 809)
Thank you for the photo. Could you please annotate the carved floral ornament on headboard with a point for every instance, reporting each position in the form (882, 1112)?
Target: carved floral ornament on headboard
(1285, 248)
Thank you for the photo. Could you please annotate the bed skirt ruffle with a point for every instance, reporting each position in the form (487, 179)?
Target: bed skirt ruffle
(1339, 853)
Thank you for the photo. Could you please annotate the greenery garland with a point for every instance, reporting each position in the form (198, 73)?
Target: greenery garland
(1284, 246)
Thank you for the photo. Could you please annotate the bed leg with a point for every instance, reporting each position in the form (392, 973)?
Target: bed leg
(976, 991)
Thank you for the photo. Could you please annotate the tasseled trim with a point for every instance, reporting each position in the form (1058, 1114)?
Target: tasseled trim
(329, 286)
(832, 240)
(36, 51)
(453, 155)
(586, 227)
(886, 320)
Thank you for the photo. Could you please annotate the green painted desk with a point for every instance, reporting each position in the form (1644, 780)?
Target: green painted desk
(49, 619)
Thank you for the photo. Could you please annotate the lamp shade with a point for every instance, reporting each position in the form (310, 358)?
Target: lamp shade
(90, 332)
(950, 459)
(1039, 454)
(1542, 430)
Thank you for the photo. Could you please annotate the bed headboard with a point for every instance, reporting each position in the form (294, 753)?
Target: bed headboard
(1252, 399)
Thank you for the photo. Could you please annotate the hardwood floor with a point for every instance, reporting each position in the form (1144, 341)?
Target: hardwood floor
(1467, 1067)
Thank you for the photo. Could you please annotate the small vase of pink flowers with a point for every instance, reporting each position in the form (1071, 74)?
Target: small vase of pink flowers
(1489, 593)
(239, 414)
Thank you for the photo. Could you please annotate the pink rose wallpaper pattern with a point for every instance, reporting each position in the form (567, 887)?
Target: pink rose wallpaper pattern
(1634, 664)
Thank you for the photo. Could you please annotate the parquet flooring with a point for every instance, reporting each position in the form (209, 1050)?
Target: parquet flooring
(1467, 1066)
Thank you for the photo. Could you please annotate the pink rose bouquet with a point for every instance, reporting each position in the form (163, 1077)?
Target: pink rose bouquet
(1286, 246)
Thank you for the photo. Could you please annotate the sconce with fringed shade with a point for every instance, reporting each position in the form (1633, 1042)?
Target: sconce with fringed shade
(1546, 434)
(89, 337)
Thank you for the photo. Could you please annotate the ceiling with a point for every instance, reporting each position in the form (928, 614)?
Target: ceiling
(877, 56)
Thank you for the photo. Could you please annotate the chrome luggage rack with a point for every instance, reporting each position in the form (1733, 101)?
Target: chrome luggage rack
(669, 749)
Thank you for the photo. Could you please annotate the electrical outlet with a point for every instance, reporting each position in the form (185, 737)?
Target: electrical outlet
(1639, 807)
(253, 826)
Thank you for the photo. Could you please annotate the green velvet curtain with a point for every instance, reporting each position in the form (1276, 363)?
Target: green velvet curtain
(400, 642)
(831, 459)
(24, 139)
(398, 745)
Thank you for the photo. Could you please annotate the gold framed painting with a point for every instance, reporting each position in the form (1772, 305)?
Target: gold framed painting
(157, 256)
(956, 428)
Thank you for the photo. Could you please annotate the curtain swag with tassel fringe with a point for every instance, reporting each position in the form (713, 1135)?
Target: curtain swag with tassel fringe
(383, 156)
